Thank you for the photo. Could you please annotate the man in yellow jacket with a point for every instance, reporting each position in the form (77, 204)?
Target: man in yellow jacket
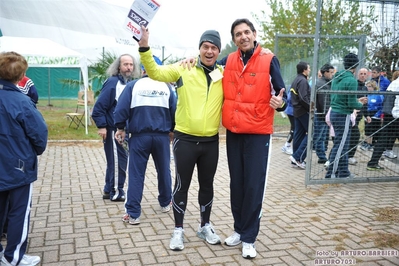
(196, 138)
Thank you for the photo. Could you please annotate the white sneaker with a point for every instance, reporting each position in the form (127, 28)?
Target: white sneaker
(390, 154)
(248, 250)
(128, 219)
(208, 233)
(301, 165)
(233, 240)
(166, 208)
(352, 161)
(327, 164)
(287, 150)
(27, 260)
(176, 242)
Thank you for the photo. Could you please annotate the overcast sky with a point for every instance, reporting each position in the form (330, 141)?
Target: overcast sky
(182, 22)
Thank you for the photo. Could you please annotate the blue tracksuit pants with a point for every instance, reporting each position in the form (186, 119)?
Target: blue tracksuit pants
(18, 217)
(342, 125)
(115, 175)
(248, 159)
(140, 148)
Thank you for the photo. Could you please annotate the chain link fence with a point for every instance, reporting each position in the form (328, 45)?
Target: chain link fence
(381, 49)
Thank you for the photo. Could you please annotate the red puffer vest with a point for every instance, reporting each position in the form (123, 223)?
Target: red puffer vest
(247, 93)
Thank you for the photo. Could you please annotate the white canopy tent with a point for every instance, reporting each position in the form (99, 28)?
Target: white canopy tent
(46, 53)
(86, 26)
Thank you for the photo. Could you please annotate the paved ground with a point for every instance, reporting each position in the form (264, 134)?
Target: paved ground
(72, 225)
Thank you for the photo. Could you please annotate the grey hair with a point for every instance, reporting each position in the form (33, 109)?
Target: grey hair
(113, 69)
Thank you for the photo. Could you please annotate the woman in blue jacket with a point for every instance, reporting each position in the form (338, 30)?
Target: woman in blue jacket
(23, 136)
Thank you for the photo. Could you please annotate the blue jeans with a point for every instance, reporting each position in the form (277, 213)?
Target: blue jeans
(300, 137)
(338, 167)
(319, 136)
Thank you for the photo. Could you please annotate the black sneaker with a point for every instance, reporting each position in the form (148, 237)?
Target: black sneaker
(106, 195)
(322, 161)
(375, 168)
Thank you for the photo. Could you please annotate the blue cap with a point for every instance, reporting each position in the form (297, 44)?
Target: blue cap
(156, 59)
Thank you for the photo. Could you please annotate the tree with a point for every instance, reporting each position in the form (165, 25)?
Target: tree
(299, 17)
(229, 48)
(97, 73)
(384, 40)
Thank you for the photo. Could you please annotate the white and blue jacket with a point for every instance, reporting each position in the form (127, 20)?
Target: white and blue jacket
(103, 110)
(149, 107)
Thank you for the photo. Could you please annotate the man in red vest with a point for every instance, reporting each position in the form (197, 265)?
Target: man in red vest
(253, 89)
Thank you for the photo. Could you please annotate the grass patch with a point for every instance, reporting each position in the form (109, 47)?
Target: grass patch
(311, 205)
(382, 240)
(58, 124)
(315, 219)
(340, 237)
(387, 214)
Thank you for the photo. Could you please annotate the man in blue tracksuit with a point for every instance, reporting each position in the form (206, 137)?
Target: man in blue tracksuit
(121, 71)
(149, 106)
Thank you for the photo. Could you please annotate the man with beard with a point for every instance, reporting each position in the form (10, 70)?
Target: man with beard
(121, 71)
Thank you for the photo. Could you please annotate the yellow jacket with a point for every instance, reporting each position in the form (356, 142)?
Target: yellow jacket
(199, 108)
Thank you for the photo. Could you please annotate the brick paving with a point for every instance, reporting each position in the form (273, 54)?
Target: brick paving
(72, 225)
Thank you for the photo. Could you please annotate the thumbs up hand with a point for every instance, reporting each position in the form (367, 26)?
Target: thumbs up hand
(277, 101)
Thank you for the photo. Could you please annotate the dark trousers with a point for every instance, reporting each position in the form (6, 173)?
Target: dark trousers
(392, 131)
(188, 154)
(140, 148)
(115, 175)
(292, 128)
(385, 138)
(320, 135)
(18, 217)
(354, 140)
(248, 159)
(300, 137)
(4, 220)
(342, 125)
